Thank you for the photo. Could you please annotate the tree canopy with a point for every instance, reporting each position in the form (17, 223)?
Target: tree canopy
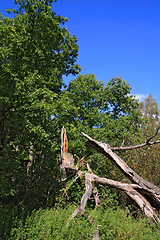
(109, 112)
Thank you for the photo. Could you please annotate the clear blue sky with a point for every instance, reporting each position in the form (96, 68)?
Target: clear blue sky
(118, 38)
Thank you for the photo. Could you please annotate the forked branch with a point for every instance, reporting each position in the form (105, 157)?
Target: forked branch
(146, 143)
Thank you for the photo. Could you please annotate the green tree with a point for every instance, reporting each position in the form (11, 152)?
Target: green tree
(107, 112)
(149, 156)
(36, 51)
(145, 161)
(150, 112)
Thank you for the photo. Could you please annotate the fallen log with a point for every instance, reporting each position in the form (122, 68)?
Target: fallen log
(144, 193)
(148, 188)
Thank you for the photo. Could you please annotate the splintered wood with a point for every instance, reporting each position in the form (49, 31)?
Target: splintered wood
(66, 159)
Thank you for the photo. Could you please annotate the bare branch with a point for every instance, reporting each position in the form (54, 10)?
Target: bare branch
(86, 195)
(81, 161)
(96, 233)
(134, 147)
(88, 168)
(133, 191)
(84, 199)
(122, 143)
(156, 132)
(96, 197)
(147, 143)
(15, 147)
(128, 172)
(144, 193)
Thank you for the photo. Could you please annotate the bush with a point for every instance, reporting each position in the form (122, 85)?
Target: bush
(117, 224)
(51, 224)
(114, 224)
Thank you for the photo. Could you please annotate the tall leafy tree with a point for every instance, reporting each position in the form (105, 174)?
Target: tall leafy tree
(36, 50)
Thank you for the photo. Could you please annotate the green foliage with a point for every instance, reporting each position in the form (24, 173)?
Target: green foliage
(70, 192)
(51, 224)
(145, 161)
(113, 224)
(108, 113)
(35, 39)
(117, 224)
(36, 51)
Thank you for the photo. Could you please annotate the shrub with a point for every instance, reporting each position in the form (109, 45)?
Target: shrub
(51, 224)
(114, 224)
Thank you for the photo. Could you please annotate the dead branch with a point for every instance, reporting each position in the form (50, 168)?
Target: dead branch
(156, 132)
(96, 233)
(88, 168)
(82, 160)
(134, 191)
(136, 146)
(144, 193)
(144, 187)
(86, 195)
(96, 197)
(146, 143)
(128, 172)
(84, 199)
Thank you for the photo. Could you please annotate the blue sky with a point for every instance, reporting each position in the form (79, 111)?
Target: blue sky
(119, 38)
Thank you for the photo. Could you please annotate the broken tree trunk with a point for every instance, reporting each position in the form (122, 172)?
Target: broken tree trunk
(144, 193)
(66, 159)
(148, 188)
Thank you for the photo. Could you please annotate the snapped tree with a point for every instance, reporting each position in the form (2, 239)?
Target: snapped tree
(144, 193)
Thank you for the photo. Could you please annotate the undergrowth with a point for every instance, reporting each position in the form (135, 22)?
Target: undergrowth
(112, 223)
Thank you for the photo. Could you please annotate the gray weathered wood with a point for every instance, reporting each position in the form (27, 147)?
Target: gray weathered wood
(144, 193)
(105, 149)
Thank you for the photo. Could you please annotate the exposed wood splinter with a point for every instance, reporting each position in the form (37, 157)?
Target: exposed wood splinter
(66, 159)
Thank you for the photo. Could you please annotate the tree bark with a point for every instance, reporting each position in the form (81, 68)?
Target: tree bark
(149, 188)
(144, 193)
